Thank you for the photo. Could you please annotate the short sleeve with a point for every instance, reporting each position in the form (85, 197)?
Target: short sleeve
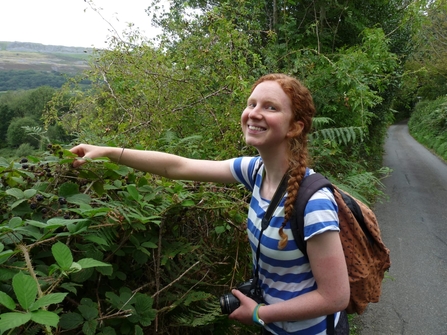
(320, 214)
(246, 170)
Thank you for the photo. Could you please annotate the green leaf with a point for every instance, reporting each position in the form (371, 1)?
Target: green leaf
(88, 312)
(188, 203)
(62, 255)
(45, 318)
(49, 299)
(79, 199)
(149, 244)
(15, 192)
(70, 287)
(13, 320)
(7, 301)
(4, 256)
(68, 189)
(20, 202)
(89, 327)
(138, 330)
(30, 193)
(133, 192)
(15, 222)
(91, 263)
(25, 289)
(43, 225)
(71, 321)
(220, 229)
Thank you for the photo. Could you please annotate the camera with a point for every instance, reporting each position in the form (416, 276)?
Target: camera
(228, 302)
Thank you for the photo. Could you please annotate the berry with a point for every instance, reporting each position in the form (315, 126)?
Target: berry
(62, 201)
(39, 197)
(44, 210)
(24, 160)
(66, 216)
(25, 166)
(33, 205)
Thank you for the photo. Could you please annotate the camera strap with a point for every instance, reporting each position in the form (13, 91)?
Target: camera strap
(279, 193)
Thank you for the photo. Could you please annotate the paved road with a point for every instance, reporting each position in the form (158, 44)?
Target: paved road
(414, 227)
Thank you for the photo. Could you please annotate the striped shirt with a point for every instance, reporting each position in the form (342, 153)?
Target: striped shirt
(286, 273)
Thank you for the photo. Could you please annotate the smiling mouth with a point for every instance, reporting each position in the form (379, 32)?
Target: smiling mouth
(256, 128)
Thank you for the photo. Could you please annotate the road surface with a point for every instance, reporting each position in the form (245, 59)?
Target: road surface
(414, 227)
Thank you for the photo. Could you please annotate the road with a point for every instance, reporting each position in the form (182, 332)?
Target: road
(414, 227)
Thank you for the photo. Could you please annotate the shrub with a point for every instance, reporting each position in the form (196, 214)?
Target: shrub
(25, 149)
(17, 135)
(105, 249)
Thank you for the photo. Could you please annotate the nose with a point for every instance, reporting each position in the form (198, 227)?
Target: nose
(254, 113)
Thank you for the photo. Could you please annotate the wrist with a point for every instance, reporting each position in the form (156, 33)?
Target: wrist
(256, 319)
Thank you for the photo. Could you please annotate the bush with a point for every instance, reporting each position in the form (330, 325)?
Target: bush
(107, 250)
(428, 125)
(17, 135)
(25, 149)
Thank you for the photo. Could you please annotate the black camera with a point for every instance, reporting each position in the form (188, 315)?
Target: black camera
(228, 302)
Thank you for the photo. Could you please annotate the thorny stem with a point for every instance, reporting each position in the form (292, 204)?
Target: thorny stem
(30, 268)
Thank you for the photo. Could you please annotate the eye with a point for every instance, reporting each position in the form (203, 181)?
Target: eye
(251, 104)
(271, 108)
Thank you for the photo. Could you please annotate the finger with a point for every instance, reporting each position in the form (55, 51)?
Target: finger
(79, 161)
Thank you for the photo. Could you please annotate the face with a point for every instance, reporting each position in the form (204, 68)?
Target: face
(266, 121)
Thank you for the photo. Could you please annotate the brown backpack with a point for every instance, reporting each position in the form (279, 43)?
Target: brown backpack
(367, 257)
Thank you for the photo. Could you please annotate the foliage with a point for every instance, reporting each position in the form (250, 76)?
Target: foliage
(428, 125)
(17, 134)
(28, 105)
(11, 80)
(106, 249)
(425, 70)
(25, 149)
(184, 95)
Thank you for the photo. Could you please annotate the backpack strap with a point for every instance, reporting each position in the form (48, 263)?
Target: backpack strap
(309, 185)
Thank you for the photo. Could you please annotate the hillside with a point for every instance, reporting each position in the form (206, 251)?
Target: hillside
(40, 57)
(30, 65)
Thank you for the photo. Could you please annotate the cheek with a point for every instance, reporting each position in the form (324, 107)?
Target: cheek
(244, 117)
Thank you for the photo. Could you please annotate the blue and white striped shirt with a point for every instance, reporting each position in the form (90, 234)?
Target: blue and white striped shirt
(286, 273)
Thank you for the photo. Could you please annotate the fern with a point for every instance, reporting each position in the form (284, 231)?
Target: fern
(204, 311)
(343, 135)
(364, 186)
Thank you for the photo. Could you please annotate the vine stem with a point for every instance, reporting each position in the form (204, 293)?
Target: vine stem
(30, 268)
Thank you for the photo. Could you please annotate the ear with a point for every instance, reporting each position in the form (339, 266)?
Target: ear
(296, 128)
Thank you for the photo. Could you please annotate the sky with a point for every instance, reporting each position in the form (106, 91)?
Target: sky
(71, 22)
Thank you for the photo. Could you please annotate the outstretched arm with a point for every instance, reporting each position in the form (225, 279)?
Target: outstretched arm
(160, 163)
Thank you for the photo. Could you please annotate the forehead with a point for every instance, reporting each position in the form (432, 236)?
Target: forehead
(270, 90)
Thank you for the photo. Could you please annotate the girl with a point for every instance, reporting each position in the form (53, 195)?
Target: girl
(299, 292)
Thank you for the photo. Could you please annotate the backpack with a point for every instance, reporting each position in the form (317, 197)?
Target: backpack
(367, 257)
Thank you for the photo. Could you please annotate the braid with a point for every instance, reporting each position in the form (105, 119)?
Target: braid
(297, 170)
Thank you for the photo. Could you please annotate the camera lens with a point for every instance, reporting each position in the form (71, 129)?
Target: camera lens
(228, 303)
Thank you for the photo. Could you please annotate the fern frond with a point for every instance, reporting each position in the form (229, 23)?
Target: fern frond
(343, 135)
(364, 186)
(320, 121)
(204, 311)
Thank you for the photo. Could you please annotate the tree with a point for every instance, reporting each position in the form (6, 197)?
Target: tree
(17, 135)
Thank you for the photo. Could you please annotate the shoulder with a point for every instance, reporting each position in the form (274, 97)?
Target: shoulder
(320, 213)
(246, 169)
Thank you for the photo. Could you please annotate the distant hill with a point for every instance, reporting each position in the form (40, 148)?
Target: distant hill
(30, 65)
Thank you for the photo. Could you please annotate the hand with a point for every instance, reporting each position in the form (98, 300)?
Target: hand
(86, 151)
(244, 313)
